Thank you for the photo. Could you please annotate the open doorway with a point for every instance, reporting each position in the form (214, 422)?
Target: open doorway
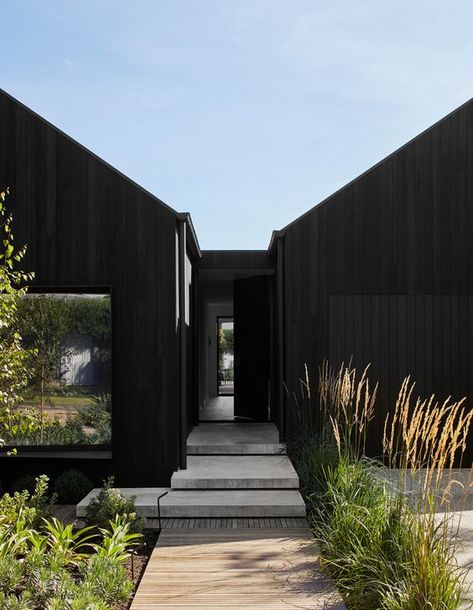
(234, 339)
(225, 356)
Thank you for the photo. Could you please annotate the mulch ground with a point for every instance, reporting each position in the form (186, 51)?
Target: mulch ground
(135, 569)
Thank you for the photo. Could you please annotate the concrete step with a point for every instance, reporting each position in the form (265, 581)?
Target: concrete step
(233, 503)
(235, 439)
(243, 503)
(236, 472)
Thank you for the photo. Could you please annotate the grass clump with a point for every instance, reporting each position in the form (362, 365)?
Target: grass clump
(378, 529)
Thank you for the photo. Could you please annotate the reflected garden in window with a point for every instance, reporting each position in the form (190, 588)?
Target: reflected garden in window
(68, 395)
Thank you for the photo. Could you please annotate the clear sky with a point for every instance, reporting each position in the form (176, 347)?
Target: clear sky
(245, 113)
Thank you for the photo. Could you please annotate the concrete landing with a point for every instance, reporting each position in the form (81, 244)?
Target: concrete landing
(244, 569)
(234, 439)
(217, 408)
(236, 472)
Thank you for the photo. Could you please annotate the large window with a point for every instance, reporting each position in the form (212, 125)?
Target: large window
(68, 396)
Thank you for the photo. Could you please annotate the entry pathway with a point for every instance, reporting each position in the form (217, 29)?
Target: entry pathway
(243, 568)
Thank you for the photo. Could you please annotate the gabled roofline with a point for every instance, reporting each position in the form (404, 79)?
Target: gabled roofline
(89, 152)
(194, 242)
(281, 232)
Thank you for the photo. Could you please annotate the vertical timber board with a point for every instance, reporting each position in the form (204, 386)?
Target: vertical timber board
(87, 225)
(402, 228)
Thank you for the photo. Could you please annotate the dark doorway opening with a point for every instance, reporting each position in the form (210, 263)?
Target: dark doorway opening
(252, 314)
(225, 356)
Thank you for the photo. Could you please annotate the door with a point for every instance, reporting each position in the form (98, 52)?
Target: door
(251, 311)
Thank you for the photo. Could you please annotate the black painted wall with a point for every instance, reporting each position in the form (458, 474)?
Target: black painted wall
(87, 225)
(383, 268)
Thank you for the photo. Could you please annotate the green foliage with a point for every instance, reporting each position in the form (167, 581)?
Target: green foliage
(72, 486)
(109, 503)
(15, 359)
(98, 414)
(225, 340)
(91, 318)
(68, 544)
(46, 564)
(11, 574)
(31, 507)
(380, 551)
(106, 578)
(11, 602)
(44, 322)
(118, 540)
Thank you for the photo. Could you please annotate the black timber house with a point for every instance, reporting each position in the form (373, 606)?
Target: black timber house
(381, 270)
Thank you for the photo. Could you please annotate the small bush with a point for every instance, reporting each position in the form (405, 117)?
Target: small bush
(109, 503)
(106, 578)
(12, 602)
(33, 507)
(11, 574)
(72, 486)
(98, 413)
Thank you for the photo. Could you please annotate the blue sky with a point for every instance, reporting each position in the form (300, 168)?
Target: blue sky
(245, 113)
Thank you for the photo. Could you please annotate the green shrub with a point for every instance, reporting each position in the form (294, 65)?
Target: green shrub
(12, 602)
(43, 584)
(85, 600)
(11, 574)
(32, 507)
(106, 578)
(45, 564)
(72, 486)
(98, 414)
(117, 543)
(109, 503)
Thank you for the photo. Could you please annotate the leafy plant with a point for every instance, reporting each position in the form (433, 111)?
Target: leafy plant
(106, 578)
(110, 502)
(32, 507)
(72, 486)
(15, 359)
(11, 574)
(96, 415)
(117, 543)
(12, 602)
(66, 542)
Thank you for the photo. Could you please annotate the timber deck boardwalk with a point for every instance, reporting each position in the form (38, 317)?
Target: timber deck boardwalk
(235, 568)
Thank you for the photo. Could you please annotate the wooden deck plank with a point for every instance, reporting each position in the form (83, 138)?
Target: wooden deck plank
(219, 568)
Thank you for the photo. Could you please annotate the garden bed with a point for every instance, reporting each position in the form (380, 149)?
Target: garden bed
(137, 563)
(141, 557)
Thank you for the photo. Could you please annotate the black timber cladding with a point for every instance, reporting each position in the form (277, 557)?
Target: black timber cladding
(88, 225)
(383, 270)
